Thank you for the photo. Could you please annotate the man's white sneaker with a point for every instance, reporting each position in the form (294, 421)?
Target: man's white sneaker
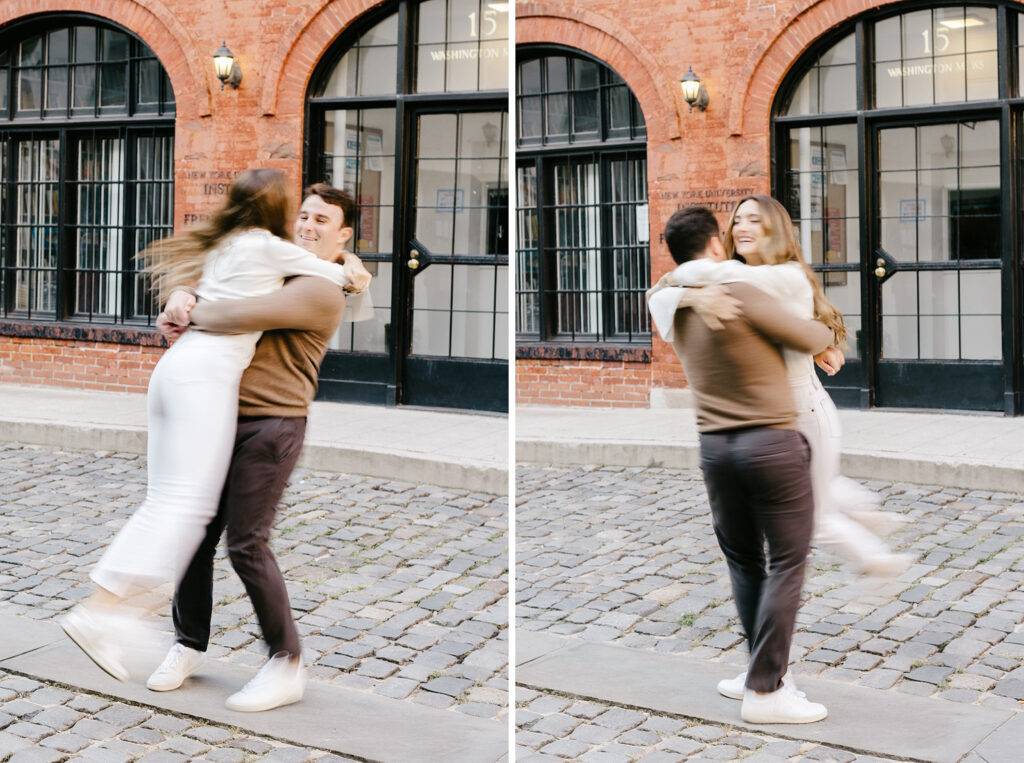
(782, 706)
(180, 662)
(733, 688)
(97, 634)
(279, 682)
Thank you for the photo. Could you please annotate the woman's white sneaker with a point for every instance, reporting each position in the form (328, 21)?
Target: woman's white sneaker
(782, 706)
(180, 662)
(99, 635)
(280, 682)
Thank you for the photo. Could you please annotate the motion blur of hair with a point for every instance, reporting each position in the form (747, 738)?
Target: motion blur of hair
(258, 198)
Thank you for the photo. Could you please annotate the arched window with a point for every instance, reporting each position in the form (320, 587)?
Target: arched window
(409, 113)
(582, 263)
(889, 141)
(86, 170)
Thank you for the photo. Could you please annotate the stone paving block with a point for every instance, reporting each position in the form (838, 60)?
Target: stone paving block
(28, 730)
(591, 734)
(66, 742)
(565, 748)
(619, 719)
(58, 718)
(37, 755)
(452, 687)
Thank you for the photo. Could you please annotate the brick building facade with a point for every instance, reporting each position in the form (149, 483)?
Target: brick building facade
(301, 79)
(755, 59)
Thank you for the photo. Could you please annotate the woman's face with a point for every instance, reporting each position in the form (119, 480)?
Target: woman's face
(748, 231)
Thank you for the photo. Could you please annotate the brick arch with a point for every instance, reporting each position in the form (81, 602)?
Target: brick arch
(603, 38)
(750, 108)
(151, 22)
(291, 62)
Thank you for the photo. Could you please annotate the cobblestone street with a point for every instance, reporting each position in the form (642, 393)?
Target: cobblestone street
(627, 556)
(398, 589)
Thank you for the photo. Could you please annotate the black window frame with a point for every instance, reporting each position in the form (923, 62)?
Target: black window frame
(544, 153)
(135, 120)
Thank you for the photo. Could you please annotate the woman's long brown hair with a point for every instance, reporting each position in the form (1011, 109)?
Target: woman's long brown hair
(256, 199)
(779, 246)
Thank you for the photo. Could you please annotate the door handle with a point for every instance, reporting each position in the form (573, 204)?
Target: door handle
(885, 266)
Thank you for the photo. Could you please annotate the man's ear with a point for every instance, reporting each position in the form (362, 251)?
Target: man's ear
(345, 235)
(717, 249)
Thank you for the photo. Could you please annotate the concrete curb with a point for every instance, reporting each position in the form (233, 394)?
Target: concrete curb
(396, 465)
(872, 466)
(352, 723)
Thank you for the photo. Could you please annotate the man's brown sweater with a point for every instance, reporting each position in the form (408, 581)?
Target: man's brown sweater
(298, 320)
(737, 373)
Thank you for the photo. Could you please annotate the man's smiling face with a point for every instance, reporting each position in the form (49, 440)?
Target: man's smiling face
(321, 228)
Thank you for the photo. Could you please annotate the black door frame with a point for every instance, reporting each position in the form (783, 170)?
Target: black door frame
(377, 378)
(857, 385)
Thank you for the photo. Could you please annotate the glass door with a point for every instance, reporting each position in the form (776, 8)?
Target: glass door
(455, 260)
(936, 266)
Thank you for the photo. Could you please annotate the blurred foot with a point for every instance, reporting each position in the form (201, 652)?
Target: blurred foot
(881, 523)
(280, 682)
(886, 565)
(98, 635)
(179, 664)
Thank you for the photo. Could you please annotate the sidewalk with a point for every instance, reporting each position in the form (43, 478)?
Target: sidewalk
(448, 449)
(984, 452)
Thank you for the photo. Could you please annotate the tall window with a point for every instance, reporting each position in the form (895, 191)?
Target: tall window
(582, 263)
(86, 171)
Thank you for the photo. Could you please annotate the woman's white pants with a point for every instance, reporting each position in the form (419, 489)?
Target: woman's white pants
(834, 496)
(193, 413)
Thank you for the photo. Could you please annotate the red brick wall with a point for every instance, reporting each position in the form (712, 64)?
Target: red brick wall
(218, 133)
(583, 382)
(742, 49)
(74, 363)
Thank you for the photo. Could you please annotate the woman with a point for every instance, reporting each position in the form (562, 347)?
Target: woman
(761, 233)
(192, 403)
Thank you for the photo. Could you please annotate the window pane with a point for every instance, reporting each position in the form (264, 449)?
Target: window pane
(112, 85)
(58, 44)
(31, 51)
(85, 44)
(57, 88)
(528, 80)
(114, 45)
(530, 122)
(942, 55)
(4, 62)
(30, 89)
(98, 183)
(149, 81)
(377, 70)
(84, 91)
(585, 117)
(527, 255)
(36, 227)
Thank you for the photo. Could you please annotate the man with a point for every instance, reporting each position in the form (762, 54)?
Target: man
(274, 396)
(755, 464)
